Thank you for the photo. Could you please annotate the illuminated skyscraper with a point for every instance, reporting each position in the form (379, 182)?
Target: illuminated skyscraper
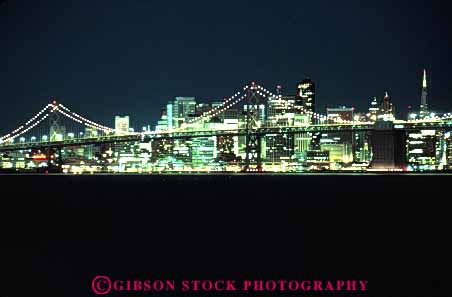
(373, 110)
(179, 112)
(424, 111)
(122, 124)
(306, 96)
(183, 108)
(387, 109)
(387, 104)
(279, 147)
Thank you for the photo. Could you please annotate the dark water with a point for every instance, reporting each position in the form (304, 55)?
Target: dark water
(57, 232)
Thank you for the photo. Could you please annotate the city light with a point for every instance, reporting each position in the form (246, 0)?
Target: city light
(253, 130)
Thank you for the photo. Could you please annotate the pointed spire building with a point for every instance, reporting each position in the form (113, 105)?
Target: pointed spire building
(424, 110)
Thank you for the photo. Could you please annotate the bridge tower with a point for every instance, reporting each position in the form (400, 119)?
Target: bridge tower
(254, 100)
(55, 129)
(56, 133)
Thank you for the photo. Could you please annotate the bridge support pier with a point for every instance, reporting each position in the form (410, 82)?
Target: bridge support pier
(253, 138)
(388, 147)
(253, 162)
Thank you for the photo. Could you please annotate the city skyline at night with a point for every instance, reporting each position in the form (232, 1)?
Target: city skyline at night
(254, 130)
(201, 148)
(134, 58)
(318, 86)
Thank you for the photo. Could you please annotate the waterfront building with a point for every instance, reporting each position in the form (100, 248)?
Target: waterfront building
(203, 153)
(361, 147)
(317, 160)
(448, 145)
(182, 151)
(340, 144)
(339, 154)
(204, 150)
(302, 141)
(161, 149)
(424, 149)
(128, 157)
(339, 149)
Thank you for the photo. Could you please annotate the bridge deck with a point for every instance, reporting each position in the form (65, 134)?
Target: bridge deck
(187, 134)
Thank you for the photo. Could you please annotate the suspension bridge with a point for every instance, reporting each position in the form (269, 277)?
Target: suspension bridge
(45, 132)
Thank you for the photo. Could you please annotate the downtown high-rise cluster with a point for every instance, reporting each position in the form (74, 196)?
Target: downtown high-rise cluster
(277, 133)
(426, 149)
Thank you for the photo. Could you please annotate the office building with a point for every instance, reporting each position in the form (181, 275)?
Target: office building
(180, 111)
(122, 124)
(340, 114)
(374, 110)
(306, 96)
(387, 109)
(423, 149)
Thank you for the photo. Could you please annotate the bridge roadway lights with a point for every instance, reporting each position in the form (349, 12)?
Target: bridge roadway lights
(257, 169)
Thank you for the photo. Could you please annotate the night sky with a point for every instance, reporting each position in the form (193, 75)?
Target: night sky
(103, 58)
